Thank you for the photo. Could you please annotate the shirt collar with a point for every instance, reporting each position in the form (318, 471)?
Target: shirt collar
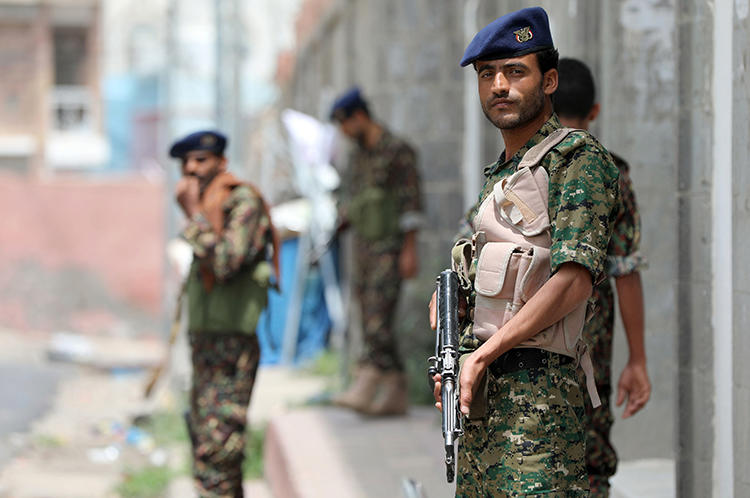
(382, 144)
(547, 128)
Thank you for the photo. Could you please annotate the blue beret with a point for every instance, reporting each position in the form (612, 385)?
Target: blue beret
(212, 141)
(512, 35)
(347, 103)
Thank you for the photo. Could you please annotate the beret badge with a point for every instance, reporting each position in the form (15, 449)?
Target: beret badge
(512, 35)
(524, 34)
(208, 140)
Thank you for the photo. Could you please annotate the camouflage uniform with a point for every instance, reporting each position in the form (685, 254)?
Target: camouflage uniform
(224, 361)
(531, 440)
(623, 257)
(391, 166)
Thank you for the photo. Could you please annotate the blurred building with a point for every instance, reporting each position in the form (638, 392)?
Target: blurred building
(50, 90)
(83, 248)
(674, 91)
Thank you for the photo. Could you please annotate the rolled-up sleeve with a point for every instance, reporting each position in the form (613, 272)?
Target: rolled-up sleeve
(406, 186)
(624, 255)
(583, 197)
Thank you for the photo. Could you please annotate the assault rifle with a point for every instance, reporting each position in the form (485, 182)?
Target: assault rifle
(445, 363)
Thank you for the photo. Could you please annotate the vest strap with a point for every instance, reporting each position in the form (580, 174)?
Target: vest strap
(535, 154)
(588, 369)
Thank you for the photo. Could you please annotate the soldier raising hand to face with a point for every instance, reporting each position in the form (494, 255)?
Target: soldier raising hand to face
(229, 229)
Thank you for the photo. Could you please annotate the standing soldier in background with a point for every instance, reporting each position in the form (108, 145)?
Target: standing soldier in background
(230, 232)
(380, 199)
(540, 233)
(575, 104)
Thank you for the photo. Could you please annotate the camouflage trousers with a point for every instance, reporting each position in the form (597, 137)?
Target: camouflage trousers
(531, 440)
(601, 457)
(224, 367)
(377, 287)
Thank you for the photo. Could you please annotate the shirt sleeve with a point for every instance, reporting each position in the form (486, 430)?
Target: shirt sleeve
(405, 183)
(583, 196)
(243, 238)
(344, 191)
(623, 253)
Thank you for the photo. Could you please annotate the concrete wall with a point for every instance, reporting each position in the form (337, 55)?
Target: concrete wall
(694, 451)
(741, 228)
(655, 66)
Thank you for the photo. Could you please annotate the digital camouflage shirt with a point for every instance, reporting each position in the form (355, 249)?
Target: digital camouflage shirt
(623, 257)
(583, 197)
(623, 252)
(391, 166)
(245, 237)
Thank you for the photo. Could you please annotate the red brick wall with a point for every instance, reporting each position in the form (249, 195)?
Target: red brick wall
(109, 231)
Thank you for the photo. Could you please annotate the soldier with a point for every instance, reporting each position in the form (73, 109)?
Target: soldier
(540, 229)
(380, 199)
(229, 229)
(575, 104)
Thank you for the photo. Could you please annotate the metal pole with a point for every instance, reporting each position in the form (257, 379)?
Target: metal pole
(218, 64)
(470, 161)
(721, 248)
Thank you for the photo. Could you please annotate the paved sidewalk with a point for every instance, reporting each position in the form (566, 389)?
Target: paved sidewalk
(68, 452)
(334, 453)
(81, 446)
(310, 452)
(331, 452)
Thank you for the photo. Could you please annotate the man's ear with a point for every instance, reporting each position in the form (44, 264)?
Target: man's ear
(223, 164)
(594, 112)
(549, 81)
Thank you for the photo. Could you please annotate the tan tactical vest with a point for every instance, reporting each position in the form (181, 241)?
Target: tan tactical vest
(512, 243)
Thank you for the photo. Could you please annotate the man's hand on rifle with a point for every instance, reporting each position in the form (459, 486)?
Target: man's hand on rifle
(436, 392)
(433, 326)
(433, 310)
(469, 378)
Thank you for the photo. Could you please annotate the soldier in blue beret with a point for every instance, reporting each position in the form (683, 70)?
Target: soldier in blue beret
(234, 255)
(535, 243)
(380, 199)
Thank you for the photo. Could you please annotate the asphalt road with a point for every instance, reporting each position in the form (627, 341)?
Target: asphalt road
(26, 393)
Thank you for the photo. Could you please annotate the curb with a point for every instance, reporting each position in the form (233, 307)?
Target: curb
(302, 459)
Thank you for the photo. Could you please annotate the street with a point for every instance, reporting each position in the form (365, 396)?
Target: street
(27, 392)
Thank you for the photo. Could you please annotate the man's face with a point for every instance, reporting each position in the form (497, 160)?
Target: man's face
(353, 127)
(512, 91)
(203, 165)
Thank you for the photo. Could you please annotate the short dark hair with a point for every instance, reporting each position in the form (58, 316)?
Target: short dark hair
(343, 113)
(576, 92)
(547, 59)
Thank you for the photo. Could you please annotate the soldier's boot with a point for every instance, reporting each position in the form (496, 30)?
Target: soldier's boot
(393, 397)
(362, 390)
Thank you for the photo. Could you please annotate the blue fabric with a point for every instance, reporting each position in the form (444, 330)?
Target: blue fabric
(512, 35)
(315, 322)
(209, 140)
(128, 99)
